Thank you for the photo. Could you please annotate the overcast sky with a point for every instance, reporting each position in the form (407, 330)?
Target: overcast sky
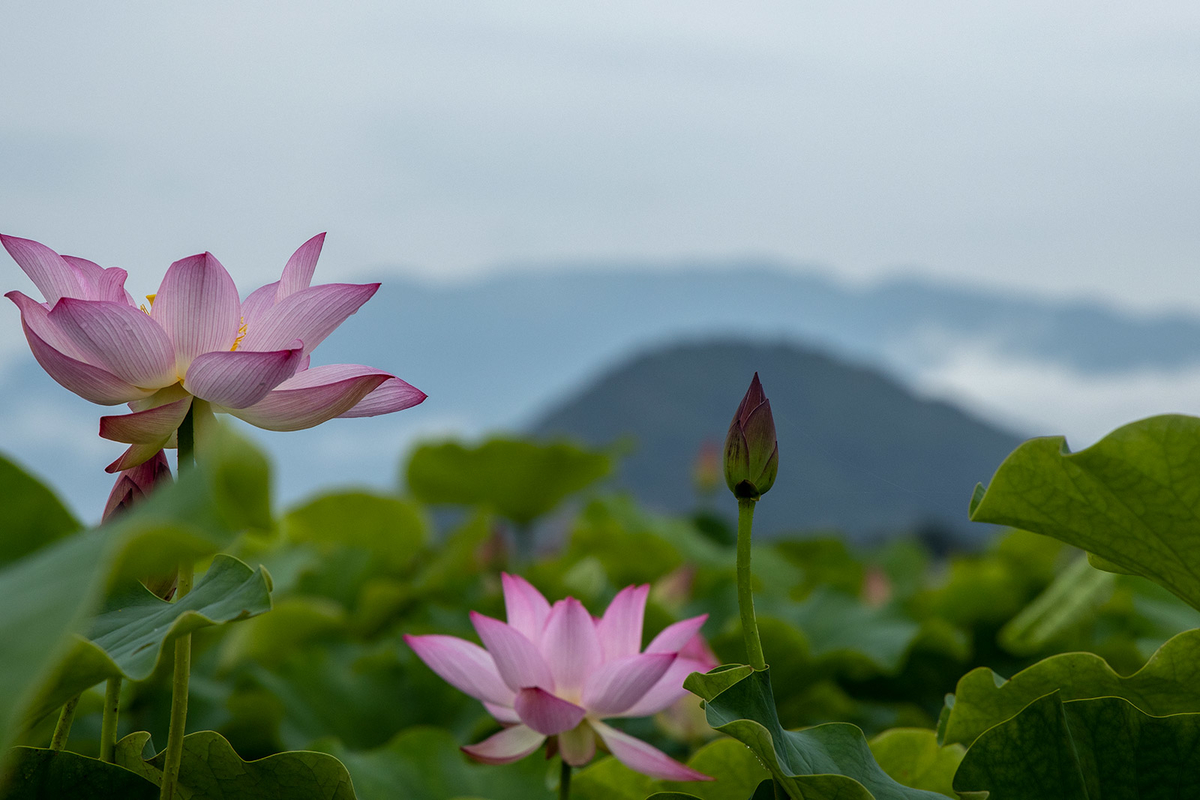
(1054, 148)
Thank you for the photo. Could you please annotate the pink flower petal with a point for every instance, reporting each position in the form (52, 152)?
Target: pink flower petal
(620, 628)
(577, 745)
(87, 274)
(524, 606)
(119, 338)
(509, 745)
(547, 713)
(617, 685)
(503, 714)
(641, 757)
(517, 659)
(240, 378)
(697, 649)
(89, 382)
(571, 645)
(465, 666)
(134, 455)
(100, 283)
(112, 287)
(49, 271)
(36, 316)
(258, 303)
(197, 305)
(391, 395)
(668, 689)
(151, 427)
(312, 396)
(675, 637)
(308, 315)
(298, 272)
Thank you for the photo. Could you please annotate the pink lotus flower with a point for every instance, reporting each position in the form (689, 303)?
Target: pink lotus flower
(554, 671)
(197, 340)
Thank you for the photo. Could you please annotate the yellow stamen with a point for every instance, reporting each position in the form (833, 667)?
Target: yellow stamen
(149, 297)
(241, 334)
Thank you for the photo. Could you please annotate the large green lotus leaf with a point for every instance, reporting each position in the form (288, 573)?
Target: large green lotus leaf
(394, 531)
(48, 595)
(425, 763)
(212, 769)
(38, 774)
(736, 770)
(1084, 750)
(913, 757)
(828, 762)
(1169, 683)
(519, 480)
(135, 630)
(33, 515)
(1133, 498)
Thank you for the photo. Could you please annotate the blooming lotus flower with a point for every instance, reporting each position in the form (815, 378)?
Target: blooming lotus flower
(555, 672)
(197, 340)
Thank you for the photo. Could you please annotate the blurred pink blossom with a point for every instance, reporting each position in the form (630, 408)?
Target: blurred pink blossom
(555, 672)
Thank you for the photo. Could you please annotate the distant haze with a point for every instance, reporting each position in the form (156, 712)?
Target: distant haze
(499, 353)
(1045, 147)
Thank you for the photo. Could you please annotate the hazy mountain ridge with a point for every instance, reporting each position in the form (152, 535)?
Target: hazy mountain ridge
(499, 353)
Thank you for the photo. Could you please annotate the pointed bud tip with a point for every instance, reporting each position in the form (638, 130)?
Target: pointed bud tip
(751, 449)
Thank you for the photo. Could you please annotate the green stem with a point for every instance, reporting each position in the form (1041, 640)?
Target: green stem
(183, 645)
(754, 649)
(108, 726)
(62, 730)
(564, 782)
(187, 440)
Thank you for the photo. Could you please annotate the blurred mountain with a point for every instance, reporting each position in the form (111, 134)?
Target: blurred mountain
(858, 452)
(497, 353)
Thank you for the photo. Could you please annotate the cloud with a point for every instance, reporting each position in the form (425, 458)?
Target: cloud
(1008, 143)
(1041, 398)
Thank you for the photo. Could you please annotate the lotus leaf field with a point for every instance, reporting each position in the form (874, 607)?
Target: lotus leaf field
(504, 626)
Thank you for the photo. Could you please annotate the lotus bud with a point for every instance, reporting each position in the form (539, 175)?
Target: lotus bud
(751, 450)
(131, 488)
(135, 483)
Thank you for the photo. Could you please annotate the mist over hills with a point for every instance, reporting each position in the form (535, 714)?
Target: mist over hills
(858, 452)
(496, 354)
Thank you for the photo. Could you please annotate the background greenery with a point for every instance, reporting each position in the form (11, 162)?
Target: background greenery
(306, 654)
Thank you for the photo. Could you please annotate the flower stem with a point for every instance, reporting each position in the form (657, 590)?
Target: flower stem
(179, 697)
(187, 440)
(564, 782)
(183, 645)
(63, 729)
(108, 725)
(754, 649)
